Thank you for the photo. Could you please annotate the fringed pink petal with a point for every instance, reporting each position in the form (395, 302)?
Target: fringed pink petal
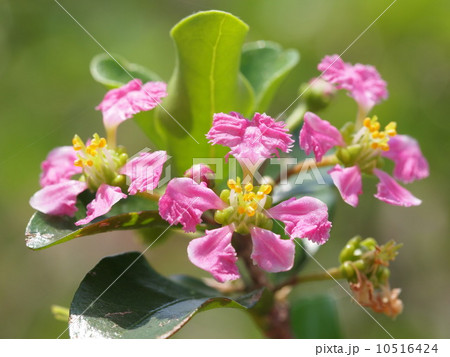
(58, 199)
(410, 164)
(349, 183)
(389, 191)
(185, 201)
(270, 252)
(305, 217)
(215, 254)
(106, 197)
(59, 166)
(318, 136)
(144, 171)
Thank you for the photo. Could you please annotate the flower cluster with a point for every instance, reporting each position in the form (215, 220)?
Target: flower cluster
(244, 208)
(98, 165)
(361, 146)
(365, 264)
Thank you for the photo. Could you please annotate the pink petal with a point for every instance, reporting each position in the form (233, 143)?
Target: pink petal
(389, 191)
(255, 139)
(201, 173)
(144, 171)
(305, 217)
(319, 136)
(58, 199)
(106, 197)
(122, 103)
(59, 166)
(349, 183)
(185, 201)
(363, 82)
(215, 254)
(410, 164)
(270, 252)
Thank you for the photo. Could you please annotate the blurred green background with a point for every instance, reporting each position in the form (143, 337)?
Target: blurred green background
(47, 95)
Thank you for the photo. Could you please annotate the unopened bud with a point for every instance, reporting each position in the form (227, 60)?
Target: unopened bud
(317, 94)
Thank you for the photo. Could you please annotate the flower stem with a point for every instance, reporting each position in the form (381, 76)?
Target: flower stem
(362, 113)
(332, 273)
(309, 163)
(296, 117)
(150, 196)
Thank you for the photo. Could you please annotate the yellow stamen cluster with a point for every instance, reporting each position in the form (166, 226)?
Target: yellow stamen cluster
(89, 152)
(247, 199)
(379, 138)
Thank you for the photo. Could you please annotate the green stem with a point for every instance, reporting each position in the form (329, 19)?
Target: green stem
(362, 114)
(330, 274)
(296, 117)
(150, 196)
(328, 160)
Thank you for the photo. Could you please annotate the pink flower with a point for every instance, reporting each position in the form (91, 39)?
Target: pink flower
(201, 173)
(410, 164)
(255, 139)
(58, 198)
(106, 197)
(389, 191)
(319, 136)
(363, 82)
(59, 166)
(349, 183)
(185, 201)
(122, 103)
(59, 193)
(144, 171)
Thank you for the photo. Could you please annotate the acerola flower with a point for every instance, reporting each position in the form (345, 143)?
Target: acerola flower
(244, 210)
(363, 82)
(122, 103)
(259, 138)
(201, 173)
(361, 152)
(319, 136)
(100, 169)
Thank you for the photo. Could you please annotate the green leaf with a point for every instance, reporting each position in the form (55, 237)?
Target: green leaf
(44, 231)
(315, 317)
(112, 71)
(206, 80)
(265, 64)
(141, 303)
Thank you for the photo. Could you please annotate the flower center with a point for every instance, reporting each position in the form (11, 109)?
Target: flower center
(379, 139)
(100, 164)
(246, 205)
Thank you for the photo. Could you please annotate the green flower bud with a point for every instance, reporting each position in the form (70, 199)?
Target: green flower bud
(317, 94)
(347, 270)
(225, 196)
(224, 215)
(268, 203)
(369, 243)
(383, 274)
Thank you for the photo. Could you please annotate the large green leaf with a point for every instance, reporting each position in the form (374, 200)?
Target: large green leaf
(265, 64)
(315, 317)
(116, 71)
(123, 297)
(44, 231)
(206, 80)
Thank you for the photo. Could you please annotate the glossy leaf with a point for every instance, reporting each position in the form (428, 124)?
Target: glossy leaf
(206, 80)
(141, 303)
(117, 71)
(315, 317)
(265, 64)
(44, 231)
